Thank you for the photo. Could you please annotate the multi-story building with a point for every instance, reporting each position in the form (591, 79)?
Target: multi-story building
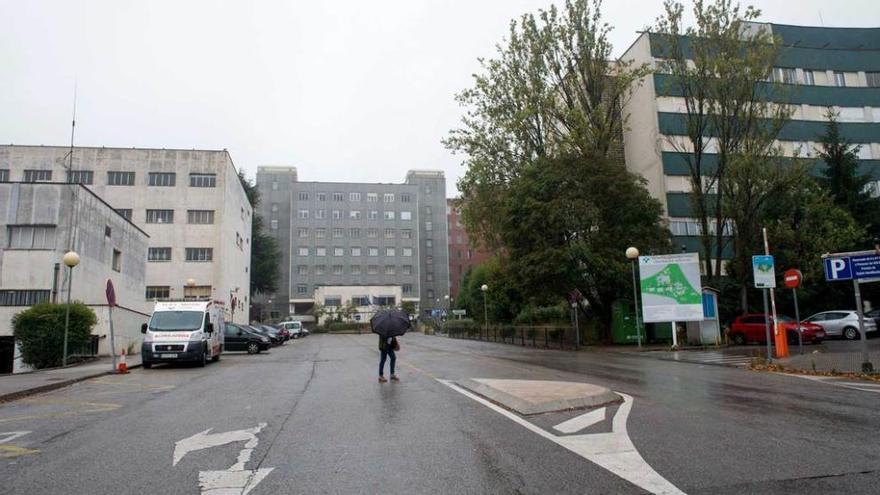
(38, 224)
(190, 202)
(820, 67)
(463, 254)
(356, 234)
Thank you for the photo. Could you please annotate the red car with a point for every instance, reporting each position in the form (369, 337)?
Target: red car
(750, 328)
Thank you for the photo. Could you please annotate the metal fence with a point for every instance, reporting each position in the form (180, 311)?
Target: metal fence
(547, 337)
(84, 350)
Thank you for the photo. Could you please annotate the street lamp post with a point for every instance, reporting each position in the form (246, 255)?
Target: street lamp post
(71, 259)
(485, 289)
(632, 254)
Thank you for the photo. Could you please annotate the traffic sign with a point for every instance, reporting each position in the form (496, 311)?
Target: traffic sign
(792, 278)
(764, 271)
(858, 267)
(111, 293)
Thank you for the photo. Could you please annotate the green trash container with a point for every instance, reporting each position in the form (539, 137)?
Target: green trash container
(623, 323)
(660, 332)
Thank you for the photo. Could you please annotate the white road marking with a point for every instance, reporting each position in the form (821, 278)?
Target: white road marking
(12, 435)
(613, 451)
(862, 387)
(578, 423)
(236, 480)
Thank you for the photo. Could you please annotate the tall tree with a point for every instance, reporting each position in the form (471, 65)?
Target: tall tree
(718, 68)
(842, 180)
(265, 253)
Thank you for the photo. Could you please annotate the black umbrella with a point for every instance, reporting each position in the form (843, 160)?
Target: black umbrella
(390, 323)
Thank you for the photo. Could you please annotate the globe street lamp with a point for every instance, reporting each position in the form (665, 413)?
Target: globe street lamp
(632, 254)
(485, 289)
(70, 259)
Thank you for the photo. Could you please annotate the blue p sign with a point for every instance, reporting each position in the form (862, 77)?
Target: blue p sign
(838, 269)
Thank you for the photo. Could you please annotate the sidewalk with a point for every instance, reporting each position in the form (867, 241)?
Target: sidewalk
(844, 362)
(25, 384)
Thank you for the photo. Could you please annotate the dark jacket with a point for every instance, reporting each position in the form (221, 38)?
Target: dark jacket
(387, 344)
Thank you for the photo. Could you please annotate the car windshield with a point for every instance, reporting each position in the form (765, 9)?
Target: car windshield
(173, 321)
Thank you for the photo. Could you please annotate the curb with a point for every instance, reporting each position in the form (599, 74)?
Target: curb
(603, 397)
(54, 386)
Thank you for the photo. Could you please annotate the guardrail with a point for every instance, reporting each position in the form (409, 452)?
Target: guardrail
(548, 337)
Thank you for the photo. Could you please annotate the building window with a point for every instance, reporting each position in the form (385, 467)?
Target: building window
(274, 207)
(158, 292)
(873, 79)
(160, 216)
(334, 301)
(37, 175)
(125, 213)
(162, 179)
(809, 78)
(302, 270)
(354, 233)
(388, 198)
(373, 251)
(337, 269)
(429, 226)
(405, 198)
(407, 252)
(372, 269)
(202, 180)
(355, 269)
(354, 215)
(320, 214)
(428, 190)
(80, 177)
(373, 215)
(406, 269)
(303, 196)
(338, 251)
(302, 232)
(338, 196)
(320, 269)
(302, 214)
(429, 277)
(390, 251)
(23, 297)
(355, 196)
(430, 294)
(31, 236)
(429, 243)
(199, 254)
(389, 269)
(274, 185)
(372, 233)
(427, 210)
(407, 288)
(321, 196)
(159, 254)
(389, 215)
(4, 175)
(839, 79)
(120, 178)
(320, 251)
(338, 233)
(406, 234)
(355, 252)
(303, 251)
(784, 75)
(320, 233)
(197, 293)
(117, 260)
(302, 289)
(200, 217)
(406, 215)
(389, 233)
(337, 214)
(273, 224)
(372, 198)
(429, 260)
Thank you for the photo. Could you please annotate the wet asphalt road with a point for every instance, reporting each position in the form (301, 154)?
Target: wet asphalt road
(331, 428)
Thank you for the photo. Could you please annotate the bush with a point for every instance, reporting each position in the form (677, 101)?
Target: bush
(342, 327)
(531, 315)
(39, 331)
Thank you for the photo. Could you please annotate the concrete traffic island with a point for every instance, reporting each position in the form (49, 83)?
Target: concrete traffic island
(528, 397)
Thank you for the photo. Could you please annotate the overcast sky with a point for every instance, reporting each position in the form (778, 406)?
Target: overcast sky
(348, 90)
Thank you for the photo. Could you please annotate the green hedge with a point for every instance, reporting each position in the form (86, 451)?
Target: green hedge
(39, 331)
(341, 327)
(546, 314)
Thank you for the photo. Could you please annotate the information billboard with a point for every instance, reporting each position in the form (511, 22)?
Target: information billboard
(671, 287)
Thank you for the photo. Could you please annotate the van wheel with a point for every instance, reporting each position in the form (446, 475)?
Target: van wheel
(204, 360)
(253, 348)
(850, 333)
(739, 339)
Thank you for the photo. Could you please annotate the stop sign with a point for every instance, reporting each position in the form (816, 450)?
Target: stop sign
(792, 278)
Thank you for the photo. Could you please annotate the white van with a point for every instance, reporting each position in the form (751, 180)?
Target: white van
(183, 331)
(295, 328)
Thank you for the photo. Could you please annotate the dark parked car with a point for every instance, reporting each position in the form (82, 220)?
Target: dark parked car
(272, 329)
(237, 338)
(874, 313)
(750, 328)
(275, 337)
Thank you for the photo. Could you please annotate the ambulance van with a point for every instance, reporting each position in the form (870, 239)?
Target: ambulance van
(183, 331)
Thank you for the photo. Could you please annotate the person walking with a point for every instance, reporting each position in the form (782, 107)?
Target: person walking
(387, 346)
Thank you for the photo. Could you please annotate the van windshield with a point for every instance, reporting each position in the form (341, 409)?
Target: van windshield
(171, 321)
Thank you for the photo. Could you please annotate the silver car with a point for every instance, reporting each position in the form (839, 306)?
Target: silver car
(842, 324)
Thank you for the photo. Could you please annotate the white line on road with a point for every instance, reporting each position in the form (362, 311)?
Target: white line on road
(578, 423)
(12, 435)
(862, 387)
(613, 451)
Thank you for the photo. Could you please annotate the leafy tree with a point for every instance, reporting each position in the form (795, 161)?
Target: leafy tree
(842, 180)
(718, 67)
(265, 252)
(568, 220)
(553, 88)
(39, 331)
(503, 300)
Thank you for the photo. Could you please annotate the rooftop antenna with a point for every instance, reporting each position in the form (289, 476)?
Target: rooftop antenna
(70, 176)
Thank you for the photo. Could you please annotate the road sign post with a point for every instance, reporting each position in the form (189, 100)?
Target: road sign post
(860, 267)
(111, 302)
(792, 279)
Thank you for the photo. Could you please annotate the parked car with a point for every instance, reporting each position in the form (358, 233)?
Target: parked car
(750, 328)
(843, 324)
(295, 328)
(239, 338)
(275, 339)
(285, 335)
(875, 314)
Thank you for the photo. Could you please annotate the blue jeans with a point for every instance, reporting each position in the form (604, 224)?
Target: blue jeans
(387, 353)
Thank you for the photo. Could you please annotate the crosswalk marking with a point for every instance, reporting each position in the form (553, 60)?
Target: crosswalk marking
(710, 357)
